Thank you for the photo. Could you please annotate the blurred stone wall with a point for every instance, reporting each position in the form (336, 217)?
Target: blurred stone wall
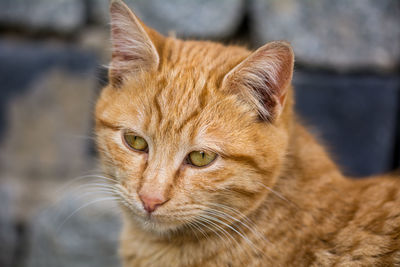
(347, 83)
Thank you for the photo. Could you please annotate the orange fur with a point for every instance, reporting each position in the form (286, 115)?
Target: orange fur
(272, 197)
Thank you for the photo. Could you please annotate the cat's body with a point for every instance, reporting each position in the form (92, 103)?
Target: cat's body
(271, 196)
(319, 218)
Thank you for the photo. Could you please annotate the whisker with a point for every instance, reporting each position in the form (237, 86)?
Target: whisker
(276, 193)
(81, 136)
(88, 176)
(97, 191)
(235, 230)
(219, 228)
(191, 226)
(84, 206)
(246, 221)
(203, 223)
(94, 186)
(226, 233)
(233, 220)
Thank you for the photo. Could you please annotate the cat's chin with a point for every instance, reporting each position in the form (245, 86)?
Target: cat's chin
(161, 228)
(160, 225)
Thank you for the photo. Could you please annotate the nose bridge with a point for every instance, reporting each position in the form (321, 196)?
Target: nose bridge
(156, 181)
(157, 176)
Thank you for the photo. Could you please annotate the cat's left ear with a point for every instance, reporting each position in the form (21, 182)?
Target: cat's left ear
(263, 78)
(134, 45)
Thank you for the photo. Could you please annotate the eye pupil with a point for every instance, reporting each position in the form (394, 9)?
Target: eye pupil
(135, 142)
(201, 158)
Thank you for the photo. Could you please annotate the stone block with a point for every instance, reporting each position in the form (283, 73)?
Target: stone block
(340, 35)
(53, 15)
(8, 229)
(73, 232)
(195, 18)
(355, 116)
(46, 101)
(46, 104)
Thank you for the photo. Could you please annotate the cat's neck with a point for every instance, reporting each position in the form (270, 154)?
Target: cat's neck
(310, 179)
(311, 201)
(307, 161)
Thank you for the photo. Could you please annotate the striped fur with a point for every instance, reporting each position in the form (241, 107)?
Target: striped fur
(272, 197)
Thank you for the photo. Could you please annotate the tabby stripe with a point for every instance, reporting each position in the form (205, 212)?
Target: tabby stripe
(141, 180)
(242, 191)
(248, 161)
(158, 108)
(203, 97)
(202, 103)
(168, 191)
(147, 121)
(167, 54)
(106, 124)
(189, 118)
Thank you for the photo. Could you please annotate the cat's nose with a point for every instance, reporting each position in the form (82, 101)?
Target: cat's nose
(151, 202)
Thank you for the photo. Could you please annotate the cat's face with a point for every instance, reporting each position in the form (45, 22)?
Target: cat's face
(179, 126)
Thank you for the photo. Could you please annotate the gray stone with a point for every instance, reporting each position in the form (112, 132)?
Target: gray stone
(195, 18)
(54, 15)
(355, 116)
(46, 104)
(48, 133)
(8, 233)
(73, 232)
(24, 62)
(342, 34)
(397, 153)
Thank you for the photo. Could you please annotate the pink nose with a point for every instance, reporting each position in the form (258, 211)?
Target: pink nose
(151, 203)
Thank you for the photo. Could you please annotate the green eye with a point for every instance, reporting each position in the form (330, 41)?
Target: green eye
(135, 142)
(201, 158)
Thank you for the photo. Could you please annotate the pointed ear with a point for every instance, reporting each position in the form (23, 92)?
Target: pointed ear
(133, 50)
(263, 78)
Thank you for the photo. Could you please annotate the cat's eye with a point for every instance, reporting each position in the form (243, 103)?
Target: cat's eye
(201, 158)
(135, 142)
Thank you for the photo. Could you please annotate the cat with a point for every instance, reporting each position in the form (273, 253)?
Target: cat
(213, 168)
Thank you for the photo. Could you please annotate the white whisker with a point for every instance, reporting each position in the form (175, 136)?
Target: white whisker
(84, 206)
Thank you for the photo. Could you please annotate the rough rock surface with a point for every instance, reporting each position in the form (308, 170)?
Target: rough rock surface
(8, 233)
(355, 116)
(47, 99)
(195, 18)
(55, 15)
(333, 34)
(46, 108)
(73, 232)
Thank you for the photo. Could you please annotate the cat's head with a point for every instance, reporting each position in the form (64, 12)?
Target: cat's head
(190, 130)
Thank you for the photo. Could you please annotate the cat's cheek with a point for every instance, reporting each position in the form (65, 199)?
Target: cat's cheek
(206, 178)
(127, 165)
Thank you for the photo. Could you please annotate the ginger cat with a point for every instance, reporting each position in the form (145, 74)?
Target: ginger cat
(213, 168)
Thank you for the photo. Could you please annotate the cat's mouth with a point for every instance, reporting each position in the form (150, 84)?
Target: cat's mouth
(161, 224)
(155, 219)
(161, 219)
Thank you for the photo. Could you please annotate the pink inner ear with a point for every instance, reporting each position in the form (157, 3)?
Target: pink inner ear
(263, 78)
(132, 49)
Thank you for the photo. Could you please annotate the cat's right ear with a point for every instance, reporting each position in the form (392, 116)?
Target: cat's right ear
(134, 46)
(263, 78)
